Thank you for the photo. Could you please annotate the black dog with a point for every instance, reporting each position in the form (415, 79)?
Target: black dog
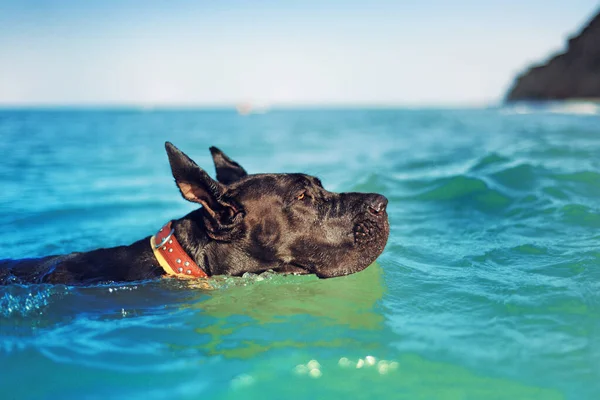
(247, 223)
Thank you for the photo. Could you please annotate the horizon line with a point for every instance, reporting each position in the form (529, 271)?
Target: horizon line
(257, 105)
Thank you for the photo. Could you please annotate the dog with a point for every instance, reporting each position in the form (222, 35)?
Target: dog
(287, 223)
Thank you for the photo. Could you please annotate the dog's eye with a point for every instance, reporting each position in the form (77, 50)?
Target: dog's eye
(301, 196)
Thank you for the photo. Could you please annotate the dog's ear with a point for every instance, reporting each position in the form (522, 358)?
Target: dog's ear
(195, 185)
(228, 171)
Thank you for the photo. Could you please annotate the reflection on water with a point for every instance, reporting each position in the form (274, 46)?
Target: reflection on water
(261, 303)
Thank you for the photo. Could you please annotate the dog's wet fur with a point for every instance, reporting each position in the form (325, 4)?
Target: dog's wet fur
(287, 223)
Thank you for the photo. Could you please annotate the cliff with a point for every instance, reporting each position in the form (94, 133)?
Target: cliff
(574, 74)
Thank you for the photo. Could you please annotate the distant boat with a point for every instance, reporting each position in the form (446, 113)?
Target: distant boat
(249, 108)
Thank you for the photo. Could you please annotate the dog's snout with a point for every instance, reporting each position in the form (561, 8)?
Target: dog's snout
(376, 203)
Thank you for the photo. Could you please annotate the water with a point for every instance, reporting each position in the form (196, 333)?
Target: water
(489, 286)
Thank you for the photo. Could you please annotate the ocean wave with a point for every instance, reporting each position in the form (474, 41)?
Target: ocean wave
(567, 108)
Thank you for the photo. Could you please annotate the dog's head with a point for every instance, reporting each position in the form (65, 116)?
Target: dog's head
(283, 222)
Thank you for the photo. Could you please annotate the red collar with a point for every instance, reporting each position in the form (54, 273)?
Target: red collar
(171, 256)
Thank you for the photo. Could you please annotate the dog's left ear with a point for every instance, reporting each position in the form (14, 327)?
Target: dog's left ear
(195, 185)
(228, 171)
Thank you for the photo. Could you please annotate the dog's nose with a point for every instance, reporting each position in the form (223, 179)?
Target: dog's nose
(376, 203)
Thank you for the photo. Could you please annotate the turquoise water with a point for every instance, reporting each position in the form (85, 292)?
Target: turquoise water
(489, 286)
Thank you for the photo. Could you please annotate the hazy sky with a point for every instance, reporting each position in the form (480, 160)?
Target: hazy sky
(294, 52)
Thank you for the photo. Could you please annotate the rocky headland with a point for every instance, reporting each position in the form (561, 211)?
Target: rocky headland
(572, 75)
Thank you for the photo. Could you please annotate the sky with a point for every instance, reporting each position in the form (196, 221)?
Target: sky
(310, 52)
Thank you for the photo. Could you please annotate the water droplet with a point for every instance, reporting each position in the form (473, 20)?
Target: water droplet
(301, 369)
(313, 364)
(344, 362)
(242, 380)
(370, 360)
(315, 373)
(360, 363)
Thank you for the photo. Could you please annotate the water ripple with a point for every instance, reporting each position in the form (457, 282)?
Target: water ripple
(489, 286)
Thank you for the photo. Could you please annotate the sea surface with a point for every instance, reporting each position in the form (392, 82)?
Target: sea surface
(489, 287)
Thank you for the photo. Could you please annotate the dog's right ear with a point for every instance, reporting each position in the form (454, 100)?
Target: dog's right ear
(228, 171)
(195, 185)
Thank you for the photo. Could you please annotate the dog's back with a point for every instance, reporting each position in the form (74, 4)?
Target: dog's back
(28, 269)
